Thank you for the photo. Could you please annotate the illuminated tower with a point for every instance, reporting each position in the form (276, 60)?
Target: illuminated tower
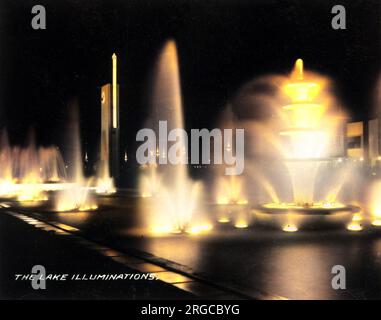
(109, 149)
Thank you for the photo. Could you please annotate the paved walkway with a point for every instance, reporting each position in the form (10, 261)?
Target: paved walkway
(22, 246)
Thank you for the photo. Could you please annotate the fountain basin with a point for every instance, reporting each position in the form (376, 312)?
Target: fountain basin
(292, 217)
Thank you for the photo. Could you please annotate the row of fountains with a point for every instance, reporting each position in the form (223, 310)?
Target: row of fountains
(294, 176)
(31, 175)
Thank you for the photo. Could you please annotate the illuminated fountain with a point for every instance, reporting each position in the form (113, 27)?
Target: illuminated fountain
(229, 190)
(104, 182)
(375, 203)
(305, 138)
(33, 174)
(172, 198)
(77, 193)
(76, 197)
(150, 181)
(28, 173)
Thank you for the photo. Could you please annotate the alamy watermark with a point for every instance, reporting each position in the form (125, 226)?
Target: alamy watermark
(39, 277)
(39, 19)
(339, 281)
(218, 146)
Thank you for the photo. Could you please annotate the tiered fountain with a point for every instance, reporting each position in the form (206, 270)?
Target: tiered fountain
(306, 138)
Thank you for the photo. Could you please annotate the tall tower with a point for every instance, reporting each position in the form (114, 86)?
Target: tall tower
(109, 149)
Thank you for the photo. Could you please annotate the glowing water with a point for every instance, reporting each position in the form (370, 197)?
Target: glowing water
(375, 203)
(307, 135)
(25, 173)
(104, 183)
(76, 196)
(292, 126)
(228, 189)
(150, 181)
(175, 197)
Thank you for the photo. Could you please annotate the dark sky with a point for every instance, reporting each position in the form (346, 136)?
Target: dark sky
(221, 44)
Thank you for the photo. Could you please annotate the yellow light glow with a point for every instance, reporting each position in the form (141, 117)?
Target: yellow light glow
(105, 185)
(357, 217)
(301, 146)
(332, 205)
(375, 201)
(355, 129)
(158, 230)
(299, 90)
(114, 92)
(290, 228)
(222, 200)
(8, 188)
(176, 196)
(305, 116)
(198, 229)
(302, 91)
(278, 205)
(30, 193)
(207, 227)
(354, 226)
(88, 207)
(307, 133)
(230, 191)
(223, 220)
(376, 223)
(66, 227)
(297, 73)
(241, 224)
(75, 198)
(194, 231)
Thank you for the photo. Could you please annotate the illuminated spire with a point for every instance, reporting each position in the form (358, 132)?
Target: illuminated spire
(298, 89)
(298, 70)
(114, 91)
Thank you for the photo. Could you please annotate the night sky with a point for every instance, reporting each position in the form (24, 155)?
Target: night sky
(221, 44)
